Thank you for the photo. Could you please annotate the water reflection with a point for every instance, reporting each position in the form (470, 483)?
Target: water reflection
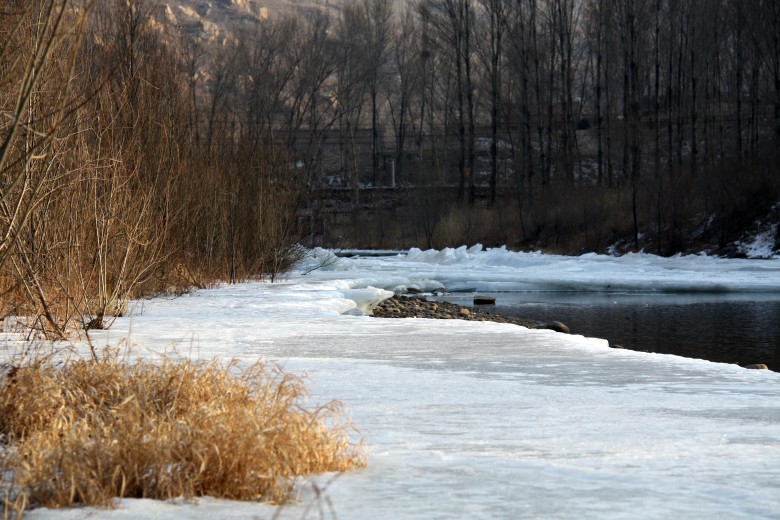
(735, 328)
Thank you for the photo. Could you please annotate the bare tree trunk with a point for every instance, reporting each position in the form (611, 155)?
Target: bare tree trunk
(374, 137)
(608, 113)
(776, 65)
(565, 27)
(467, 23)
(598, 93)
(694, 87)
(657, 90)
(461, 115)
(738, 68)
(497, 21)
(670, 98)
(543, 158)
(775, 59)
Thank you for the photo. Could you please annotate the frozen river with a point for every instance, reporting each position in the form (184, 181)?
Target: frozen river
(728, 328)
(485, 420)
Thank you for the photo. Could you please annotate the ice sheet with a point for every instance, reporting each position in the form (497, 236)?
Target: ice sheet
(486, 420)
(496, 270)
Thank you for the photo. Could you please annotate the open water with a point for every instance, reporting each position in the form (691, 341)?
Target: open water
(742, 329)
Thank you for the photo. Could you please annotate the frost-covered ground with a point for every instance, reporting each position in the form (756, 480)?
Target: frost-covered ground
(762, 244)
(484, 420)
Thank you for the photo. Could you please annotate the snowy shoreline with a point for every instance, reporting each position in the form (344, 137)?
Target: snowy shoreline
(466, 419)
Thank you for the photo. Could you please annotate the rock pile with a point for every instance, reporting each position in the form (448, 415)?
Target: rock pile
(419, 307)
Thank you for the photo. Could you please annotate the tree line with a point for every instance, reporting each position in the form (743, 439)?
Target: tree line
(655, 110)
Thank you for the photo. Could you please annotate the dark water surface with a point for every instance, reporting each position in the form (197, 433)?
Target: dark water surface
(741, 329)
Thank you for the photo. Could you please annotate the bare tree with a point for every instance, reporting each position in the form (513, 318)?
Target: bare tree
(452, 21)
(39, 109)
(409, 63)
(377, 26)
(350, 88)
(221, 91)
(491, 53)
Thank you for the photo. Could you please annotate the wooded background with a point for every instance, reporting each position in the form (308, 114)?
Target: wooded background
(136, 157)
(608, 119)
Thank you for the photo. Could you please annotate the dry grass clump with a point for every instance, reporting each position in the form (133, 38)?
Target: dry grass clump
(88, 431)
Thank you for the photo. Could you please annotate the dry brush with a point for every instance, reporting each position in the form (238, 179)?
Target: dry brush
(90, 431)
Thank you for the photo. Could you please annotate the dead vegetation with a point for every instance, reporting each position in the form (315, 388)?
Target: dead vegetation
(107, 193)
(88, 431)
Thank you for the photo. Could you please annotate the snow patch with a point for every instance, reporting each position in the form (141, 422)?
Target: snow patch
(762, 245)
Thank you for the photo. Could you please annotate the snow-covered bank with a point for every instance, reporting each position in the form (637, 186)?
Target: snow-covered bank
(500, 270)
(485, 420)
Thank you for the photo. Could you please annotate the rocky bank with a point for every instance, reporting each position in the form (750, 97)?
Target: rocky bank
(420, 307)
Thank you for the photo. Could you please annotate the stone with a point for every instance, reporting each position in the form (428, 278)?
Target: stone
(413, 290)
(465, 312)
(484, 300)
(557, 326)
(616, 346)
(757, 366)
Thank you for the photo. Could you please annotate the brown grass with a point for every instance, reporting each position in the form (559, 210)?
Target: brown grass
(88, 431)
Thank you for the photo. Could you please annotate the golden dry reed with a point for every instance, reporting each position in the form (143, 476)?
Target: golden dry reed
(91, 430)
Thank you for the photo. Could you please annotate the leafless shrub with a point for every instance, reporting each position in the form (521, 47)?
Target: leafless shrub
(105, 193)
